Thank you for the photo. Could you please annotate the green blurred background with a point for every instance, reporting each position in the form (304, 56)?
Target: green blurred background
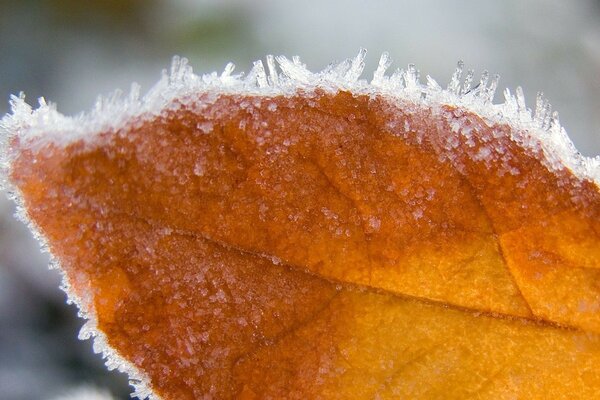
(69, 51)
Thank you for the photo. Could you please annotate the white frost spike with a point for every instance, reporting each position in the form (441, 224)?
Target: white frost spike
(19, 106)
(102, 103)
(543, 112)
(547, 116)
(228, 70)
(538, 115)
(296, 71)
(468, 81)
(273, 76)
(555, 121)
(483, 82)
(384, 63)
(510, 103)
(432, 84)
(180, 70)
(356, 67)
(226, 77)
(454, 84)
(520, 98)
(134, 93)
(261, 76)
(396, 82)
(490, 91)
(411, 78)
(337, 72)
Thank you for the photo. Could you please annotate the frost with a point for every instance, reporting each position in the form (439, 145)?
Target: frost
(531, 129)
(205, 127)
(329, 214)
(483, 154)
(199, 168)
(374, 223)
(417, 214)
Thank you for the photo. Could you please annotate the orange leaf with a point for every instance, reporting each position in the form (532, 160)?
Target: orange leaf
(313, 236)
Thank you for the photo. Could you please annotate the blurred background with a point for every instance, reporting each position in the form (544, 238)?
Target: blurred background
(71, 50)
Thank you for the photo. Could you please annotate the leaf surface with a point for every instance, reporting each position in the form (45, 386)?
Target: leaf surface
(326, 244)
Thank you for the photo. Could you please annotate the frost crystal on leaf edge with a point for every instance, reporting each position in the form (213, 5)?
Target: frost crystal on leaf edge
(282, 76)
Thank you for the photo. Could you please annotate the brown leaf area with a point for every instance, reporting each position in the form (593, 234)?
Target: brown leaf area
(330, 246)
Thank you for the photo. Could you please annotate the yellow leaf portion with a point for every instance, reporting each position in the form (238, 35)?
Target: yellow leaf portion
(386, 347)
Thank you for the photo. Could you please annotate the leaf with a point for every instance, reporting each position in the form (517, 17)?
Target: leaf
(314, 236)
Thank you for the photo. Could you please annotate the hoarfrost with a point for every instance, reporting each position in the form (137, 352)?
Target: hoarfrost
(205, 127)
(374, 223)
(285, 77)
(417, 214)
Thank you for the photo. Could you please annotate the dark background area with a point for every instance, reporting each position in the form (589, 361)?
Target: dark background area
(69, 51)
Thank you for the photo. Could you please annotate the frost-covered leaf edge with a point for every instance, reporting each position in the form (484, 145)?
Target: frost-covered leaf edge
(537, 129)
